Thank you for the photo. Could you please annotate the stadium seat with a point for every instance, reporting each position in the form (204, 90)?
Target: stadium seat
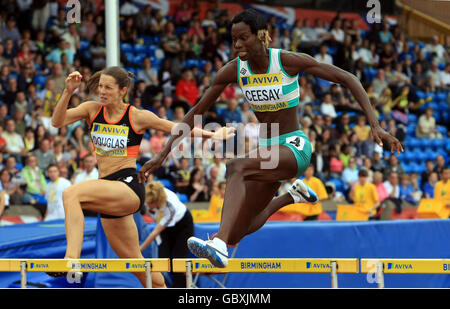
(40, 80)
(189, 63)
(84, 45)
(139, 48)
(138, 58)
(339, 184)
(437, 143)
(441, 97)
(183, 198)
(412, 118)
(167, 183)
(424, 143)
(442, 130)
(126, 47)
(129, 56)
(131, 70)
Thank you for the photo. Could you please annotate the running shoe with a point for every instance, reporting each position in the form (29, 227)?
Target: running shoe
(214, 250)
(304, 193)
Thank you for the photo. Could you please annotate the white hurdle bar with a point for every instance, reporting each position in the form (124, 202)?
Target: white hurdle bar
(269, 265)
(404, 266)
(72, 266)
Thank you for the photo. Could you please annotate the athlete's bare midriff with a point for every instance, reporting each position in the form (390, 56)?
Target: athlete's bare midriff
(109, 165)
(286, 119)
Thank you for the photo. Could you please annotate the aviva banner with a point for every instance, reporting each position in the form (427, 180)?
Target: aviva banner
(269, 266)
(407, 266)
(97, 265)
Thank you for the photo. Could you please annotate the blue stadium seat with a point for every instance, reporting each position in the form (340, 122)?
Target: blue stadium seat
(339, 184)
(129, 56)
(421, 94)
(84, 45)
(424, 142)
(441, 96)
(126, 47)
(437, 143)
(138, 58)
(442, 130)
(441, 66)
(412, 118)
(131, 70)
(167, 183)
(183, 198)
(189, 63)
(40, 80)
(139, 48)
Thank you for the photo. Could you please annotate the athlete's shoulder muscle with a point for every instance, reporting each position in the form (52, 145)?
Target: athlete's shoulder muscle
(294, 63)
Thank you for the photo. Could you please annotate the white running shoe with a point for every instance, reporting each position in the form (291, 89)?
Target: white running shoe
(302, 193)
(214, 250)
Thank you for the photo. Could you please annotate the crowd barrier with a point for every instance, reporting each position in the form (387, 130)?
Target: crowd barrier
(376, 267)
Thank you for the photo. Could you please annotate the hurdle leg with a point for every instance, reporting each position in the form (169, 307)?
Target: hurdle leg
(334, 280)
(188, 274)
(148, 274)
(380, 274)
(23, 274)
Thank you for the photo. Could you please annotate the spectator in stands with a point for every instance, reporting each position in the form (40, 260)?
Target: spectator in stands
(54, 194)
(128, 33)
(406, 190)
(197, 190)
(430, 184)
(323, 56)
(14, 142)
(350, 174)
(182, 176)
(426, 127)
(327, 106)
(379, 83)
(364, 193)
(393, 167)
(72, 37)
(334, 162)
(144, 20)
(337, 34)
(36, 184)
(88, 27)
(442, 188)
(419, 79)
(10, 31)
(58, 77)
(10, 188)
(393, 189)
(97, 51)
(220, 165)
(440, 165)
(45, 155)
(445, 77)
(186, 90)
(61, 154)
(232, 114)
(385, 36)
(436, 50)
(426, 174)
(148, 74)
(381, 189)
(89, 170)
(170, 42)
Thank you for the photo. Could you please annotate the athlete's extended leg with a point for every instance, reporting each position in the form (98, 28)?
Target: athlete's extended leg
(103, 196)
(123, 237)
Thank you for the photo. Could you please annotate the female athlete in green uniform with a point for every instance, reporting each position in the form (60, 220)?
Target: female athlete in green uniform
(269, 80)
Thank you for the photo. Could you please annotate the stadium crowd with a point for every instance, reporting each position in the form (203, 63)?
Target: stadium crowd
(175, 58)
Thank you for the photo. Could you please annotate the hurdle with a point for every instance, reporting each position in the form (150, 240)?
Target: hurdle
(404, 266)
(73, 267)
(269, 265)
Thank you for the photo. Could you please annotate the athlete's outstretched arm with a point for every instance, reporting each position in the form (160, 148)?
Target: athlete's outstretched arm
(226, 75)
(297, 62)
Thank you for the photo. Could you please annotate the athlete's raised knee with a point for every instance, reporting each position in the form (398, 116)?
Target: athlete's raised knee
(69, 196)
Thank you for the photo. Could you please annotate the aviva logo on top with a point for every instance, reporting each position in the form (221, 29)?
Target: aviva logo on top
(261, 80)
(399, 266)
(311, 265)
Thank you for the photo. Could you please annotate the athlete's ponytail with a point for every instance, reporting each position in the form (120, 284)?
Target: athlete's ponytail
(264, 37)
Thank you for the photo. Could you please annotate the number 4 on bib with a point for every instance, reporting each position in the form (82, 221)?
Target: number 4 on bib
(296, 141)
